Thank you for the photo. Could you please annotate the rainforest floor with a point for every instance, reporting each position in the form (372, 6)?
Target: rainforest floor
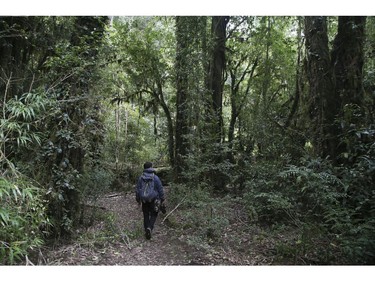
(112, 234)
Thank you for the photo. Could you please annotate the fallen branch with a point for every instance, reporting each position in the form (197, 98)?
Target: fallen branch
(41, 258)
(114, 195)
(175, 208)
(28, 262)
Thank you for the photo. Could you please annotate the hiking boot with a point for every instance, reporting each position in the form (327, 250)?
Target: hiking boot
(148, 233)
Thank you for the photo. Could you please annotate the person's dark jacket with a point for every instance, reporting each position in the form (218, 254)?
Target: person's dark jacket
(149, 174)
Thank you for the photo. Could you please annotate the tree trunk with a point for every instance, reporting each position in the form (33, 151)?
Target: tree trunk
(321, 107)
(267, 69)
(15, 51)
(347, 63)
(217, 67)
(215, 88)
(171, 147)
(347, 60)
(299, 83)
(88, 31)
(182, 109)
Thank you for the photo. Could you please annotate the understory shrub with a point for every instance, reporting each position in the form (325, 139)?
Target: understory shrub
(265, 200)
(204, 214)
(337, 200)
(22, 217)
(94, 182)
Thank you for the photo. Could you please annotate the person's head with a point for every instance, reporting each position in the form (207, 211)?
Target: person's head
(147, 165)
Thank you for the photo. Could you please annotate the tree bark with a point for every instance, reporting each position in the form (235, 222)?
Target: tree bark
(167, 112)
(182, 109)
(321, 93)
(215, 89)
(216, 78)
(347, 60)
(347, 63)
(335, 81)
(299, 83)
(15, 50)
(88, 31)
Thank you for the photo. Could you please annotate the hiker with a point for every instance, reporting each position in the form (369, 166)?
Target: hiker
(150, 193)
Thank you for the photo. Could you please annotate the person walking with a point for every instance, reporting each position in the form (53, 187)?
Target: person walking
(149, 193)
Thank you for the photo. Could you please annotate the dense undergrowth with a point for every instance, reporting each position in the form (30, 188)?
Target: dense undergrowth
(23, 218)
(311, 213)
(326, 211)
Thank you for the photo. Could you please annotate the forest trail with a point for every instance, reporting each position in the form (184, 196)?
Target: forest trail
(117, 238)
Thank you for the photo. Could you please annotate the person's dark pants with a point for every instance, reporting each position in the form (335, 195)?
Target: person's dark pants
(149, 215)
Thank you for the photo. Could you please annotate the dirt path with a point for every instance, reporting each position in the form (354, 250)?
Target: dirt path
(117, 238)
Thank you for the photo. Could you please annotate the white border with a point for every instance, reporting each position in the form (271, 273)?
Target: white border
(187, 7)
(173, 273)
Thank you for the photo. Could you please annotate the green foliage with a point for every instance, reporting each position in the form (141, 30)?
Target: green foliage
(21, 119)
(95, 182)
(265, 200)
(23, 212)
(206, 215)
(66, 135)
(310, 243)
(338, 201)
(201, 168)
(293, 193)
(268, 206)
(353, 232)
(74, 133)
(353, 221)
(138, 80)
(131, 142)
(314, 186)
(22, 217)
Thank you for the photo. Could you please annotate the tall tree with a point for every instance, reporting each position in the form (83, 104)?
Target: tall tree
(182, 80)
(16, 50)
(72, 131)
(267, 106)
(214, 99)
(299, 74)
(216, 73)
(347, 60)
(189, 52)
(319, 72)
(335, 80)
(347, 63)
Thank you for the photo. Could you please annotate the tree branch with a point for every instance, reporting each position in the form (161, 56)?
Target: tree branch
(175, 208)
(235, 27)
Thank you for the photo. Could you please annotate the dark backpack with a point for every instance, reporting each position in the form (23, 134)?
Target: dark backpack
(147, 192)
